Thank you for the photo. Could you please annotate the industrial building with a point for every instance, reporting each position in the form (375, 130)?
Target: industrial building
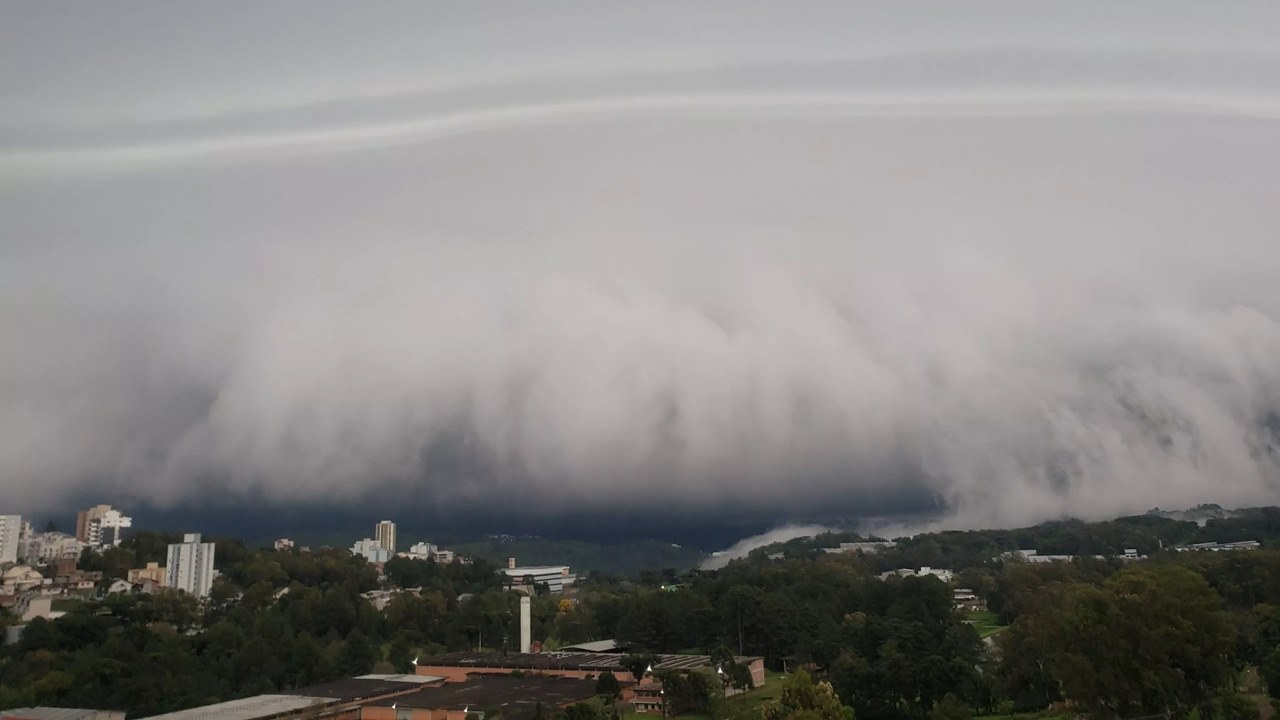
(1220, 546)
(340, 699)
(555, 577)
(56, 713)
(458, 666)
(516, 698)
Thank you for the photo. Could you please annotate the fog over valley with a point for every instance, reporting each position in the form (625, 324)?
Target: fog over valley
(989, 267)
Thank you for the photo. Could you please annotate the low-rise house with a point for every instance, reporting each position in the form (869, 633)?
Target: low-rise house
(120, 587)
(154, 571)
(79, 580)
(20, 578)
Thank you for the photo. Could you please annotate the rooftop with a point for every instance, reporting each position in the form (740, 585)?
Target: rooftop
(364, 687)
(563, 661)
(599, 646)
(496, 691)
(55, 713)
(258, 707)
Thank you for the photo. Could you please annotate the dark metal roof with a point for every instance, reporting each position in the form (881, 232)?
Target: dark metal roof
(492, 691)
(353, 689)
(598, 662)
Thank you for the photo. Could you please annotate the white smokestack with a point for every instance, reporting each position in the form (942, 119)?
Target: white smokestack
(526, 629)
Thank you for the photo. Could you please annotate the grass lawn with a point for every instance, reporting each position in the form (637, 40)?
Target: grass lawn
(986, 623)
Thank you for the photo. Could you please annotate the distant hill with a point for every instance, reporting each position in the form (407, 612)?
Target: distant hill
(623, 559)
(1148, 534)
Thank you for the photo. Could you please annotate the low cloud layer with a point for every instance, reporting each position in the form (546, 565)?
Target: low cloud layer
(1018, 282)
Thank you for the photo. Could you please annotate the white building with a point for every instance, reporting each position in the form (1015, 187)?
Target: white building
(555, 577)
(385, 532)
(42, 548)
(10, 532)
(283, 544)
(940, 573)
(107, 529)
(1220, 546)
(371, 549)
(872, 546)
(1033, 556)
(444, 557)
(190, 566)
(422, 550)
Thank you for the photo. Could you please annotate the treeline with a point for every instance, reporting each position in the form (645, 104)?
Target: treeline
(275, 620)
(1148, 534)
(1171, 636)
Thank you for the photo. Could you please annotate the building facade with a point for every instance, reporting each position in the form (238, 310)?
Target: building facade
(555, 577)
(385, 534)
(107, 530)
(371, 549)
(190, 566)
(10, 533)
(84, 517)
(49, 547)
(154, 572)
(422, 550)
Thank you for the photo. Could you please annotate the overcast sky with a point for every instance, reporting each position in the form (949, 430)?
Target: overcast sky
(1011, 260)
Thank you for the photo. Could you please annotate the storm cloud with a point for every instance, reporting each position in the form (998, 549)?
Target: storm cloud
(803, 259)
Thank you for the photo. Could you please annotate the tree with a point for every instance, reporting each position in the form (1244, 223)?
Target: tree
(607, 685)
(1270, 673)
(1148, 640)
(589, 710)
(1234, 706)
(950, 708)
(803, 700)
(637, 664)
(739, 676)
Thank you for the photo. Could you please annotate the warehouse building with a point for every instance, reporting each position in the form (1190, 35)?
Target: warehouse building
(514, 698)
(341, 700)
(459, 665)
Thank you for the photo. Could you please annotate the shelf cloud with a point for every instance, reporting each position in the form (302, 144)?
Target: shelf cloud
(1015, 274)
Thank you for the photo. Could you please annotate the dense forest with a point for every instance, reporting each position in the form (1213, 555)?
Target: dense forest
(1177, 635)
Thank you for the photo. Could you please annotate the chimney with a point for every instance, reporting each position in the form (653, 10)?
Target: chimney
(526, 629)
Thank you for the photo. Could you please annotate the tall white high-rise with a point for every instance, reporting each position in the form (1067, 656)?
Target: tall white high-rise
(10, 530)
(107, 529)
(190, 566)
(386, 535)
